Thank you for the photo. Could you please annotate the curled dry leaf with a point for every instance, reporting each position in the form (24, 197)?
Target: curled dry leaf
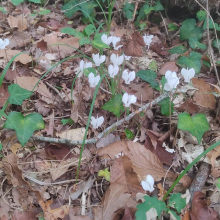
(204, 96)
(200, 209)
(143, 161)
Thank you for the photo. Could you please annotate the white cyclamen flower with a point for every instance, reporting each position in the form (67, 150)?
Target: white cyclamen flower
(128, 77)
(127, 57)
(93, 80)
(116, 60)
(83, 65)
(188, 74)
(105, 39)
(148, 183)
(148, 40)
(172, 80)
(113, 70)
(98, 59)
(4, 43)
(97, 122)
(115, 41)
(128, 99)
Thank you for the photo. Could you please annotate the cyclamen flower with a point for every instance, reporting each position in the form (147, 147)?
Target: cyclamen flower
(128, 77)
(115, 41)
(93, 80)
(172, 80)
(128, 99)
(188, 74)
(97, 122)
(105, 39)
(113, 70)
(127, 57)
(116, 60)
(4, 43)
(148, 183)
(83, 65)
(98, 59)
(148, 40)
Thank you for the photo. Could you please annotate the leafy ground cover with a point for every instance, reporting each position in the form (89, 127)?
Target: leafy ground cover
(109, 110)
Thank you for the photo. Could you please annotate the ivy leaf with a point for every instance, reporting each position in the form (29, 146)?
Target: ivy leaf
(158, 6)
(105, 173)
(83, 41)
(172, 27)
(148, 9)
(17, 94)
(36, 1)
(194, 43)
(3, 10)
(218, 183)
(178, 50)
(148, 76)
(129, 134)
(73, 32)
(24, 126)
(90, 29)
(17, 2)
(196, 125)
(165, 106)
(215, 44)
(193, 61)
(149, 204)
(67, 121)
(177, 201)
(189, 30)
(201, 15)
(71, 8)
(128, 9)
(114, 105)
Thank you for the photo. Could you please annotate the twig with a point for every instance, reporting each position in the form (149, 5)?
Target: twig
(107, 130)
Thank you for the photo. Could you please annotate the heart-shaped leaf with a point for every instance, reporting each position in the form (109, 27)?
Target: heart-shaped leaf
(177, 201)
(73, 32)
(165, 106)
(196, 125)
(90, 29)
(189, 30)
(194, 43)
(24, 126)
(17, 2)
(17, 94)
(193, 61)
(114, 105)
(179, 50)
(148, 76)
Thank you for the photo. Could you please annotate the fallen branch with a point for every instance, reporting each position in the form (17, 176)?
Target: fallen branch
(107, 130)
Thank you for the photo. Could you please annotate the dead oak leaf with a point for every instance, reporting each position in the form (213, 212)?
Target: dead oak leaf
(204, 96)
(20, 22)
(144, 162)
(4, 94)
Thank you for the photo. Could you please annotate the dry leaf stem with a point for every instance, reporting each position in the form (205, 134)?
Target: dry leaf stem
(106, 131)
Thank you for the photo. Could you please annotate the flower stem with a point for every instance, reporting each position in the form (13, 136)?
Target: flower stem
(127, 110)
(113, 86)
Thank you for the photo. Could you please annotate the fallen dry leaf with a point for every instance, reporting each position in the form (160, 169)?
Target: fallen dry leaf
(20, 22)
(23, 215)
(19, 39)
(122, 173)
(73, 134)
(144, 162)
(188, 106)
(154, 142)
(204, 96)
(200, 209)
(4, 94)
(53, 214)
(213, 154)
(168, 66)
(30, 82)
(115, 198)
(127, 214)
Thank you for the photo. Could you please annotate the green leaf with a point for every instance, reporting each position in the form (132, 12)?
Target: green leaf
(147, 205)
(163, 81)
(153, 65)
(128, 9)
(73, 32)
(114, 105)
(129, 134)
(189, 30)
(193, 61)
(148, 9)
(218, 62)
(165, 106)
(24, 126)
(17, 94)
(218, 183)
(211, 26)
(206, 63)
(44, 11)
(196, 125)
(215, 44)
(1, 146)
(71, 8)
(178, 50)
(36, 1)
(90, 29)
(194, 44)
(177, 201)
(173, 215)
(158, 6)
(142, 26)
(172, 27)
(201, 15)
(148, 76)
(89, 70)
(3, 10)
(17, 2)
(99, 44)
(67, 121)
(83, 41)
(105, 173)
(87, 8)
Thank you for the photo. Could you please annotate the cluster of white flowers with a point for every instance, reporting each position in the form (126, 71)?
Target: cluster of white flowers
(4, 43)
(112, 39)
(97, 122)
(173, 80)
(148, 40)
